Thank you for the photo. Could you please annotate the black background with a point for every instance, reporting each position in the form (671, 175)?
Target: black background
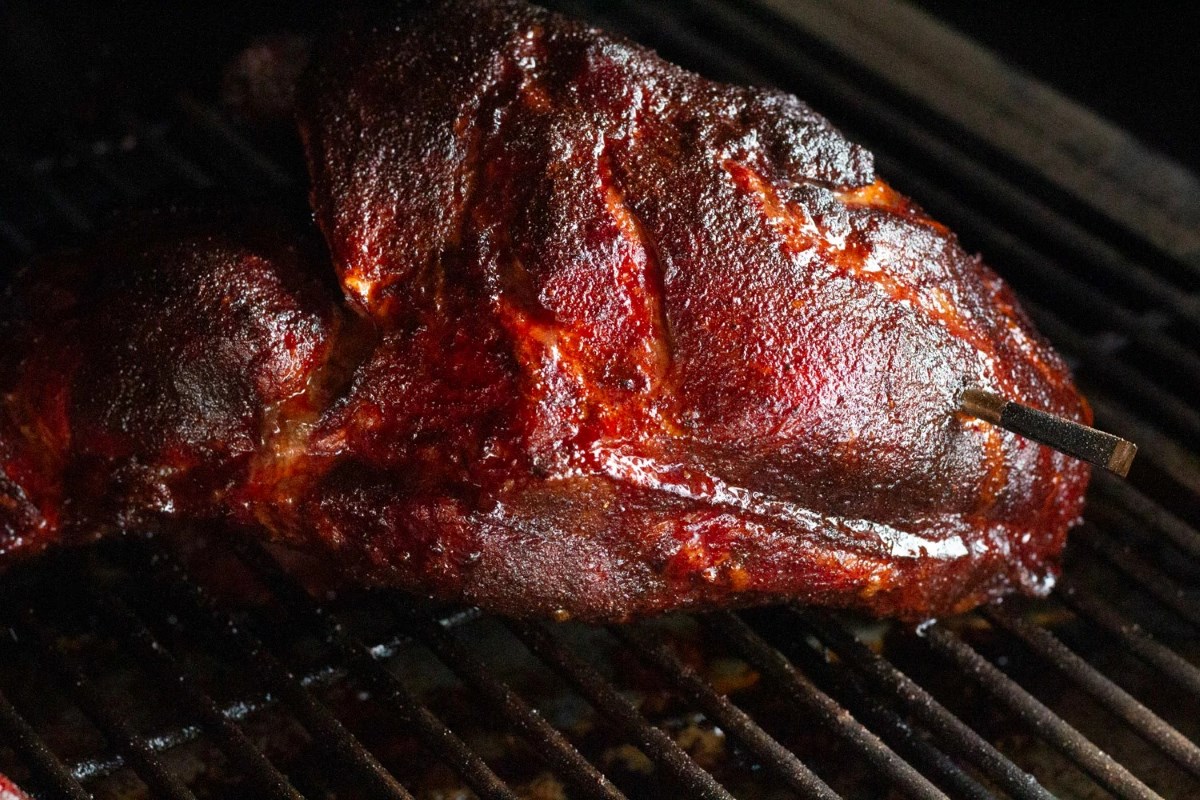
(1136, 63)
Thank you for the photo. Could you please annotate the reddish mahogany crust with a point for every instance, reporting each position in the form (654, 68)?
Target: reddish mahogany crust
(628, 341)
(653, 341)
(152, 372)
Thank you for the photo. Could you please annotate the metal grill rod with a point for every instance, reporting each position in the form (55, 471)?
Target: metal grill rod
(46, 767)
(430, 730)
(944, 724)
(1100, 368)
(722, 711)
(805, 694)
(1178, 531)
(154, 140)
(68, 211)
(1175, 564)
(14, 239)
(115, 727)
(550, 745)
(1148, 725)
(83, 152)
(871, 709)
(320, 721)
(232, 739)
(1131, 564)
(1175, 461)
(211, 120)
(1041, 719)
(1090, 607)
(608, 701)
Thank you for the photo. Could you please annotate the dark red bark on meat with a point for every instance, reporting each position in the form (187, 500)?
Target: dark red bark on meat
(621, 340)
(146, 376)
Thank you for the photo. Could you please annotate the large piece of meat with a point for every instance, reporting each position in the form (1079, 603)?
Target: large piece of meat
(616, 340)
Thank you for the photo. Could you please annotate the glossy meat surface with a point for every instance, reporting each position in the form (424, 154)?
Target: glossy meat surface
(618, 340)
(652, 341)
(150, 374)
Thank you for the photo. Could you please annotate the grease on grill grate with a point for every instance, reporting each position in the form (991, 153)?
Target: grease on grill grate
(131, 671)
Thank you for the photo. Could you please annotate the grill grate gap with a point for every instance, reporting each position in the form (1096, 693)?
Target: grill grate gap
(661, 749)
(871, 709)
(552, 746)
(820, 706)
(722, 711)
(316, 717)
(1071, 742)
(386, 686)
(1121, 704)
(943, 723)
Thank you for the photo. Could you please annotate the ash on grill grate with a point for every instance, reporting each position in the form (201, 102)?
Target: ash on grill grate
(126, 676)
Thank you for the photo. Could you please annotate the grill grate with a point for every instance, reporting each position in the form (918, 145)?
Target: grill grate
(1095, 690)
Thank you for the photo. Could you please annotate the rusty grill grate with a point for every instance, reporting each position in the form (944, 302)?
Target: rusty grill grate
(125, 674)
